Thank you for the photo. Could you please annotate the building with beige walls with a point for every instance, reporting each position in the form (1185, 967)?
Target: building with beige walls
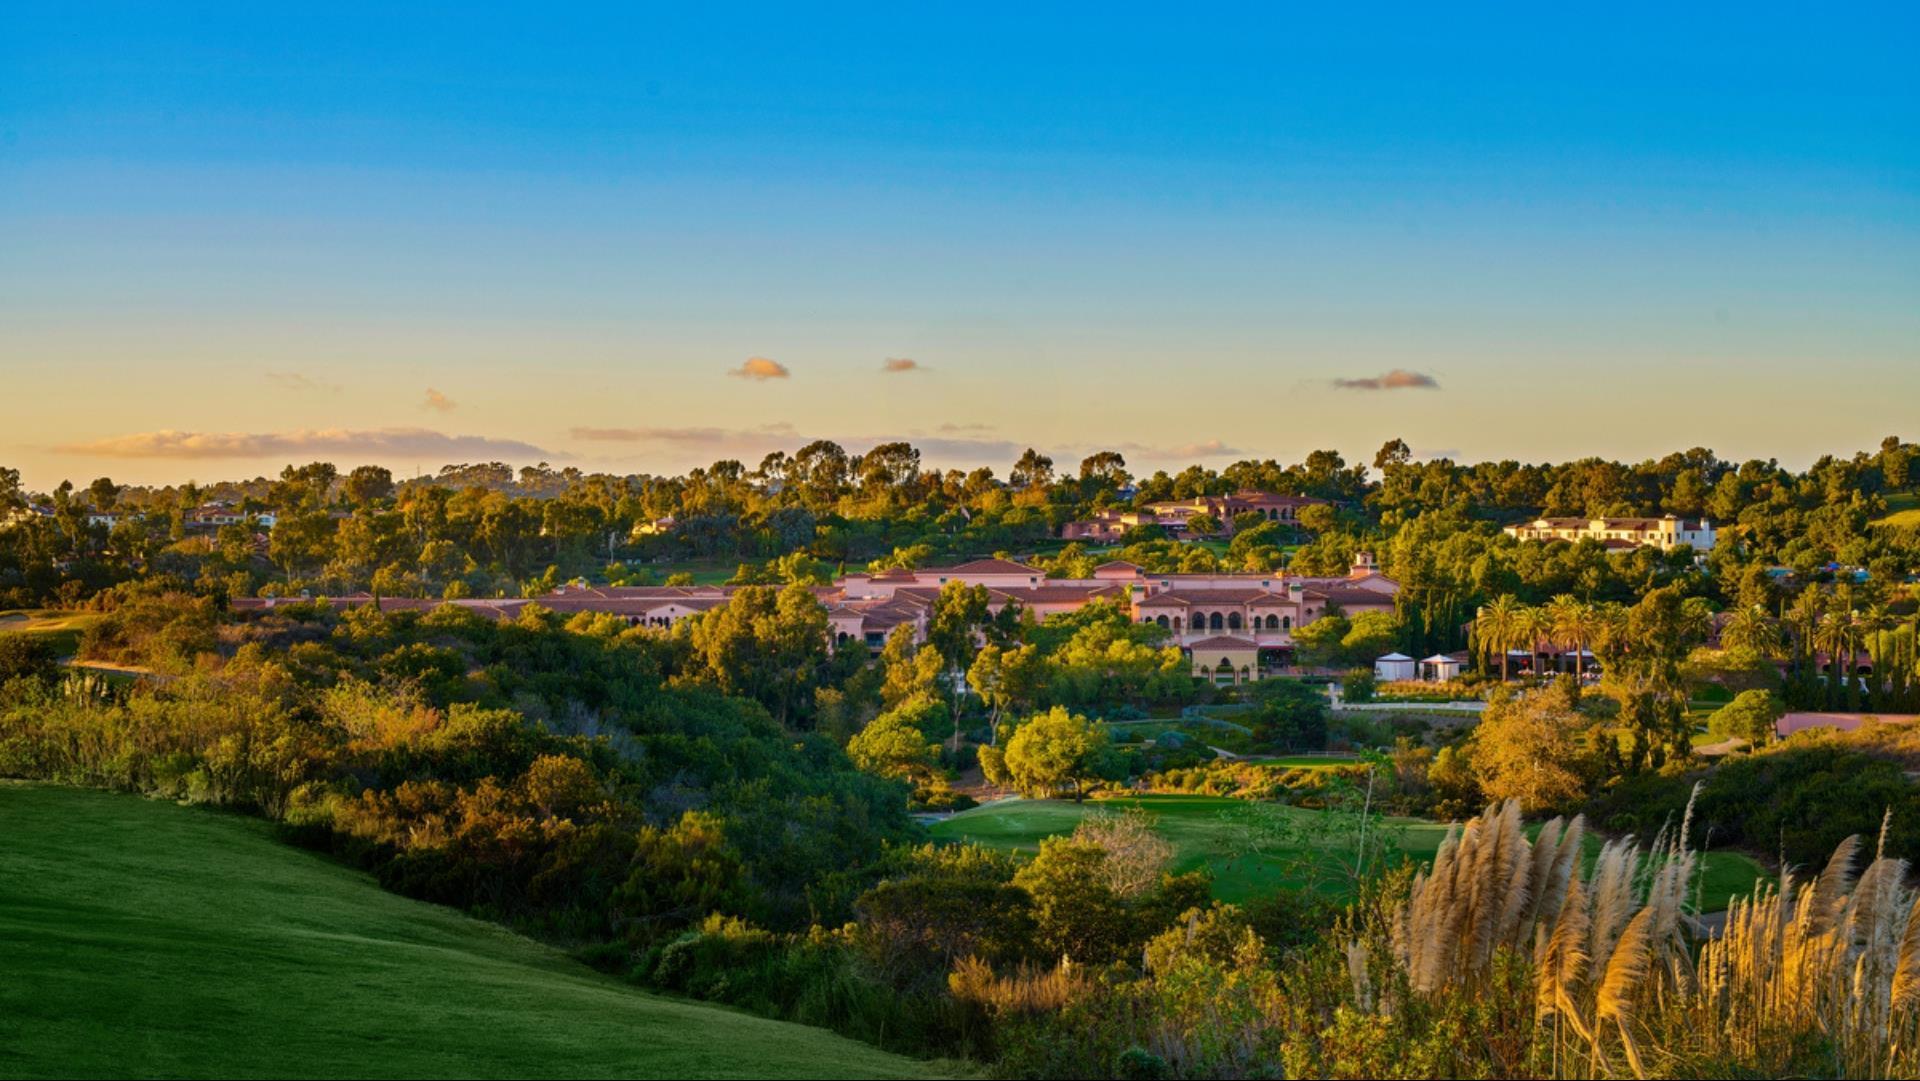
(1258, 613)
(1665, 533)
(1173, 516)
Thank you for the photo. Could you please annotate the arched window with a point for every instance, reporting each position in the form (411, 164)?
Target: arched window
(1286, 623)
(1176, 623)
(1233, 621)
(1162, 620)
(1214, 622)
(1273, 623)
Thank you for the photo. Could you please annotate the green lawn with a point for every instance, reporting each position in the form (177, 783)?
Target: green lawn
(1903, 509)
(62, 629)
(706, 572)
(1203, 838)
(141, 938)
(1200, 835)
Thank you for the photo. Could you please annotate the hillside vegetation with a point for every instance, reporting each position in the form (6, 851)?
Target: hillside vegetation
(124, 955)
(1207, 834)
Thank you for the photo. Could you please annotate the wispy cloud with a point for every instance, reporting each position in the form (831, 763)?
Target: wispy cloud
(694, 436)
(301, 383)
(751, 442)
(1211, 448)
(951, 444)
(375, 443)
(439, 402)
(760, 369)
(1397, 379)
(938, 451)
(900, 365)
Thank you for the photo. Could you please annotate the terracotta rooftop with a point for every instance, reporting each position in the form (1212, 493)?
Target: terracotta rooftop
(1223, 642)
(1249, 595)
(1041, 594)
(985, 566)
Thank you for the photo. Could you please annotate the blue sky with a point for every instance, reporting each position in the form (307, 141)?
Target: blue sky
(242, 238)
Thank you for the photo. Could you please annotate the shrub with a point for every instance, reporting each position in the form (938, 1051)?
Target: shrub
(1358, 686)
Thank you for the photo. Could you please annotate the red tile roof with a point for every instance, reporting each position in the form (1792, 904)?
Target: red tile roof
(985, 566)
(1223, 642)
(1244, 595)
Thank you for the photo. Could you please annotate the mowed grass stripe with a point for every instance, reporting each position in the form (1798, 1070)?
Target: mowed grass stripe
(141, 938)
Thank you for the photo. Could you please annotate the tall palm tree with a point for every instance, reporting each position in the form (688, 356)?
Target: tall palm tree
(1496, 628)
(1572, 623)
(1873, 625)
(1752, 629)
(1803, 618)
(1836, 635)
(1533, 630)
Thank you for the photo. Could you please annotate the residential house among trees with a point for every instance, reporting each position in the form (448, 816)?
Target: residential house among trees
(1665, 533)
(1251, 617)
(1175, 516)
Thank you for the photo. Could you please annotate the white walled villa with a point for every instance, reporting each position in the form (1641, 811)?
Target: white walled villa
(1665, 533)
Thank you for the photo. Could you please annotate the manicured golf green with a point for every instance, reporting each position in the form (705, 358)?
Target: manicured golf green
(138, 938)
(1202, 837)
(61, 629)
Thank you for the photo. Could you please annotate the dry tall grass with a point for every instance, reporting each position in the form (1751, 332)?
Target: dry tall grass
(1833, 961)
(1822, 974)
(1027, 991)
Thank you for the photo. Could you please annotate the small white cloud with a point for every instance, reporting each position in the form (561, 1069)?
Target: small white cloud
(439, 402)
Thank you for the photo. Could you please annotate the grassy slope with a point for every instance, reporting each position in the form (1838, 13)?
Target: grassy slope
(1192, 823)
(140, 938)
(62, 629)
(1201, 839)
(1903, 509)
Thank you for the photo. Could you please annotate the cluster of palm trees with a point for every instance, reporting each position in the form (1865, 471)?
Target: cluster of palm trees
(1565, 623)
(1821, 636)
(1642, 635)
(1832, 624)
